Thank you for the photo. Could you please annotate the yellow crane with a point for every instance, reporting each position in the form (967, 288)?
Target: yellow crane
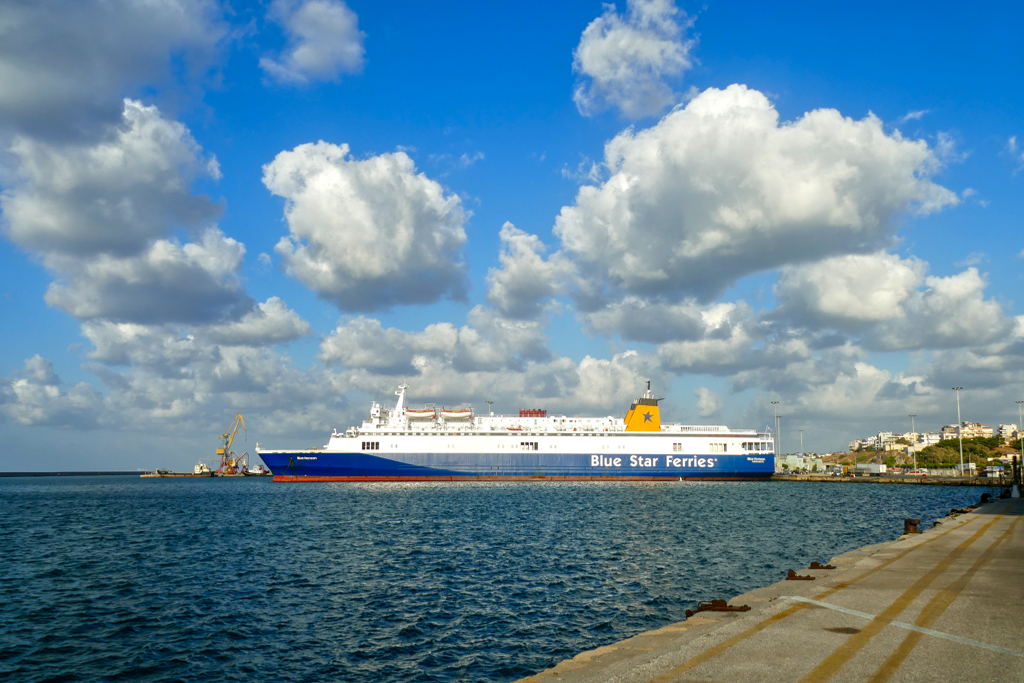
(229, 463)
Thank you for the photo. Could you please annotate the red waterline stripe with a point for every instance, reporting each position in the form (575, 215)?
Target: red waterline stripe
(502, 477)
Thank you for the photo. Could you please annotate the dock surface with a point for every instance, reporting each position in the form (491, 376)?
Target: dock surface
(944, 605)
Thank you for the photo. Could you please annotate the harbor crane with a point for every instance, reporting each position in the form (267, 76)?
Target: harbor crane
(229, 462)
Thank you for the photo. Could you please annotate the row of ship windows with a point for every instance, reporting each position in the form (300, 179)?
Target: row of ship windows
(715, 448)
(756, 446)
(371, 445)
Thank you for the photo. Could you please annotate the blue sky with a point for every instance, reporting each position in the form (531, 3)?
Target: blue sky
(743, 203)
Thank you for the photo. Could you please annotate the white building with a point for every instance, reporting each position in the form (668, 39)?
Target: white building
(969, 430)
(1009, 433)
(799, 463)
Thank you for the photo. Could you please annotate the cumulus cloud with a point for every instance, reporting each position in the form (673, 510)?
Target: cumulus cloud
(367, 234)
(491, 358)
(732, 339)
(624, 60)
(720, 189)
(593, 385)
(489, 342)
(65, 66)
(271, 322)
(640, 319)
(708, 402)
(324, 42)
(851, 292)
(114, 195)
(37, 398)
(525, 279)
(190, 283)
(159, 376)
(891, 302)
(947, 312)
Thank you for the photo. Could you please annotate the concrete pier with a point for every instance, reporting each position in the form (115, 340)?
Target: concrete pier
(944, 605)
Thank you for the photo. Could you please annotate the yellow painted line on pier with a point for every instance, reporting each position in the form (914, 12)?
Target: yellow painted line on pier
(934, 609)
(832, 664)
(712, 652)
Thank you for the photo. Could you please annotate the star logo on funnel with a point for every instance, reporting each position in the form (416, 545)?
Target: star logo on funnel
(647, 416)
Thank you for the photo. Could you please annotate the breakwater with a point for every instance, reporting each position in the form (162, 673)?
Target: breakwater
(910, 479)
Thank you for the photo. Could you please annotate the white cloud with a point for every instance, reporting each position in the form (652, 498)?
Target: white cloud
(913, 115)
(364, 343)
(491, 358)
(948, 312)
(973, 259)
(560, 385)
(720, 189)
(625, 59)
(849, 292)
(271, 322)
(114, 195)
(525, 279)
(65, 66)
(38, 399)
(163, 377)
(467, 160)
(640, 319)
(164, 349)
(708, 402)
(367, 234)
(190, 283)
(890, 302)
(1016, 154)
(488, 343)
(324, 42)
(728, 338)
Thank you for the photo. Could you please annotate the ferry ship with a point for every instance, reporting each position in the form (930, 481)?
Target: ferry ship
(456, 444)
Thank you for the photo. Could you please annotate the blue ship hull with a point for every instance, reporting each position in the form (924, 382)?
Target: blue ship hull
(335, 466)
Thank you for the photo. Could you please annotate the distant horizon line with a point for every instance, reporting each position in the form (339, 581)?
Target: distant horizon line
(68, 474)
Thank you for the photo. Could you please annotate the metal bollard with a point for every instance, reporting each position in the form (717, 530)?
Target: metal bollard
(910, 526)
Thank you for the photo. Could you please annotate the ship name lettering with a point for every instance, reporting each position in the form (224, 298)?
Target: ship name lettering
(636, 461)
(601, 461)
(691, 462)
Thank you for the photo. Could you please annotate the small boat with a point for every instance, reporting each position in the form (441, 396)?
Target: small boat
(456, 413)
(258, 471)
(202, 469)
(420, 413)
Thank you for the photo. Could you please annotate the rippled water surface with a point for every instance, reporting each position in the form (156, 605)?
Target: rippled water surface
(197, 579)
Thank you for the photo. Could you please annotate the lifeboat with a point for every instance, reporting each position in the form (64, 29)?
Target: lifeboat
(456, 413)
(419, 413)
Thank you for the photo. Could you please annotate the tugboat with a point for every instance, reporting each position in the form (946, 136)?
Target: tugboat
(258, 471)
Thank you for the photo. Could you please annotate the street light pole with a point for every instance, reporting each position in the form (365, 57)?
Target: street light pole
(959, 429)
(801, 442)
(1020, 430)
(913, 446)
(489, 407)
(775, 436)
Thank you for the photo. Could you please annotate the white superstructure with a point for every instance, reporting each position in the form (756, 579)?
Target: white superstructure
(401, 430)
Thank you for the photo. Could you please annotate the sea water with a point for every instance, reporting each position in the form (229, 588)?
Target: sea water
(122, 578)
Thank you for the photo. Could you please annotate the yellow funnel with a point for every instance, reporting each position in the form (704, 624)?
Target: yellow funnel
(643, 416)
